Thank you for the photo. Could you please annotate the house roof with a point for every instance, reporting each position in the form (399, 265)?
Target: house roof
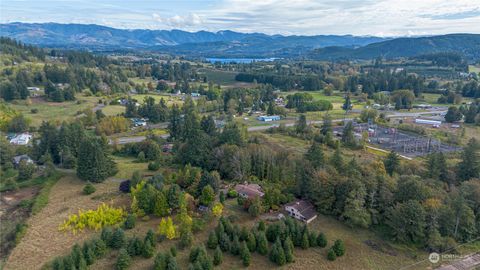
(19, 158)
(251, 190)
(305, 208)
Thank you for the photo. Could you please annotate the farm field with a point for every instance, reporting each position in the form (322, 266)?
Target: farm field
(53, 111)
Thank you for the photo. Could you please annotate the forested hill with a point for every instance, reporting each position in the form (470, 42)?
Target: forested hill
(106, 38)
(464, 44)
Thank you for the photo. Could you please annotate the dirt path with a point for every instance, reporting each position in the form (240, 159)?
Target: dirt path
(43, 241)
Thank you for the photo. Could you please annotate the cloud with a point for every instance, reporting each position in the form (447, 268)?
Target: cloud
(300, 17)
(178, 21)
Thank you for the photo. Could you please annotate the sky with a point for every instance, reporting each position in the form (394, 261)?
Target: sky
(287, 17)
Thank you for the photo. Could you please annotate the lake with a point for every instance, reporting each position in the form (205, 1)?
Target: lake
(240, 60)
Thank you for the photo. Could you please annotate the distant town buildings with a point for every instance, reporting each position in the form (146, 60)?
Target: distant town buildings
(268, 118)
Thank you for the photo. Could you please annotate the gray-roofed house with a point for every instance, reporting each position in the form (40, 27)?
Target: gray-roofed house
(249, 190)
(301, 210)
(18, 159)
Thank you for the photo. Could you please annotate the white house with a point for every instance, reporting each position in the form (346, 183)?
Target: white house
(21, 139)
(301, 210)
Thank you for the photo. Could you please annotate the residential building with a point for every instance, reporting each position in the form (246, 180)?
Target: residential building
(301, 210)
(268, 118)
(21, 139)
(249, 190)
(17, 159)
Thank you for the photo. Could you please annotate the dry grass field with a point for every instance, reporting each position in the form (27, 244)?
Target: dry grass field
(43, 240)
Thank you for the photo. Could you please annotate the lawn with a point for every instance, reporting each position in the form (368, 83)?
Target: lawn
(53, 111)
(112, 110)
(474, 69)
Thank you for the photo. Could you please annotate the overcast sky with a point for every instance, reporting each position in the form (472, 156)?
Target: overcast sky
(291, 17)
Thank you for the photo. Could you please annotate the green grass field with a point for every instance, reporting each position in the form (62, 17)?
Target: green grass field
(53, 111)
(219, 76)
(474, 69)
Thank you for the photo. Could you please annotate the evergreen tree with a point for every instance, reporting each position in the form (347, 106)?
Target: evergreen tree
(321, 240)
(76, 255)
(331, 256)
(301, 124)
(251, 242)
(123, 260)
(212, 240)
(262, 243)
(337, 160)
(312, 239)
(129, 222)
(469, 166)
(305, 242)
(348, 138)
(245, 254)
(235, 247)
(88, 253)
(208, 195)
(277, 254)
(392, 162)
(160, 262)
(221, 197)
(150, 237)
(347, 104)
(135, 246)
(315, 155)
(118, 239)
(224, 242)
(339, 247)
(93, 164)
(175, 125)
(82, 265)
(148, 250)
(217, 256)
(208, 125)
(172, 263)
(100, 248)
(288, 249)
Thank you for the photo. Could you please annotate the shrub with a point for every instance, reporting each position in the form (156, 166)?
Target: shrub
(130, 222)
(153, 166)
(88, 189)
(232, 193)
(104, 215)
(331, 256)
(125, 186)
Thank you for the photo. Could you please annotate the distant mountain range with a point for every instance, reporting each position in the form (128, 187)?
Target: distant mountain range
(235, 44)
(96, 37)
(467, 45)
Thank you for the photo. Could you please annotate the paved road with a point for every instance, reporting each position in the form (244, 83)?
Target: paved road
(134, 139)
(470, 262)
